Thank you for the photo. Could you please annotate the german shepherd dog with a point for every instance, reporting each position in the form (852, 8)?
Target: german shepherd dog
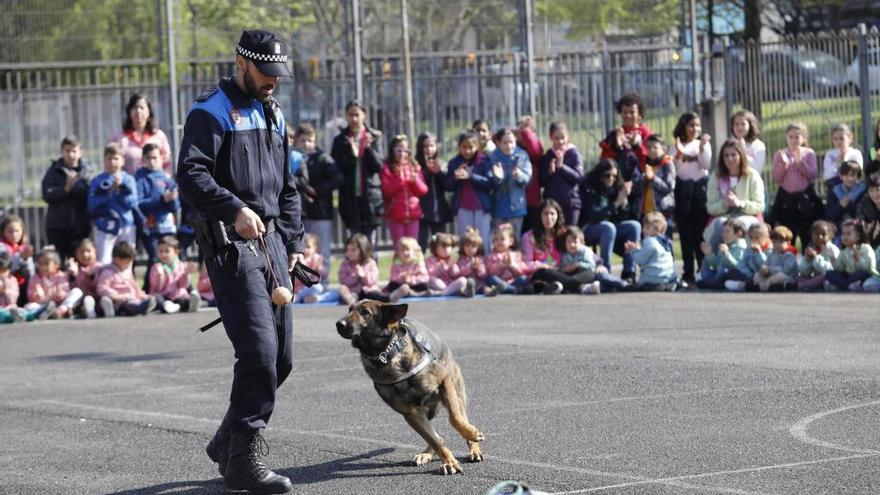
(414, 372)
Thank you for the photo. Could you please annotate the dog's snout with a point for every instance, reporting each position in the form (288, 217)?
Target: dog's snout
(343, 328)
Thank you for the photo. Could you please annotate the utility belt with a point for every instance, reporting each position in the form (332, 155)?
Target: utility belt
(213, 235)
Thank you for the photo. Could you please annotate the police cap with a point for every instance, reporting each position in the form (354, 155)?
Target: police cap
(265, 50)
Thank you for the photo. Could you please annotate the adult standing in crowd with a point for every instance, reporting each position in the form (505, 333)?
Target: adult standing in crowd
(139, 128)
(356, 152)
(234, 171)
(66, 190)
(734, 191)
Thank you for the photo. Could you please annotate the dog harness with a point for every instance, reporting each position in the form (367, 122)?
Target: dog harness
(397, 345)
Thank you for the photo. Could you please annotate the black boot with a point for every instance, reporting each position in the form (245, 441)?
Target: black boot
(245, 470)
(218, 451)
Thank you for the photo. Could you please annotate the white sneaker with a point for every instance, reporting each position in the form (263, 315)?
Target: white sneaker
(195, 301)
(170, 307)
(593, 288)
(735, 285)
(89, 307)
(107, 307)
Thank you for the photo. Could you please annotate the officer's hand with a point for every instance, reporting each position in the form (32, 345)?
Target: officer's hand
(248, 224)
(292, 259)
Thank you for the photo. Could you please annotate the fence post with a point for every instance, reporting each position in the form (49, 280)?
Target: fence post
(864, 87)
(607, 97)
(530, 56)
(728, 78)
(358, 56)
(172, 83)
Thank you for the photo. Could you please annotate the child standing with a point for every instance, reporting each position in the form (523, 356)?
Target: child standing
(654, 256)
(632, 134)
(444, 274)
(468, 179)
(169, 280)
(316, 180)
(873, 166)
(780, 270)
(409, 275)
(435, 207)
(112, 202)
(66, 189)
(817, 257)
(730, 253)
(654, 182)
(51, 284)
(856, 263)
(470, 259)
(117, 288)
(844, 197)
(402, 186)
(561, 172)
(692, 156)
(311, 257)
(484, 133)
(359, 273)
(505, 267)
(87, 272)
(794, 168)
(511, 172)
(868, 211)
(15, 241)
(158, 201)
(841, 138)
(529, 142)
(747, 132)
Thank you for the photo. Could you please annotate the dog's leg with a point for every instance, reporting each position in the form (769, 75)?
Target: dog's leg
(422, 425)
(425, 456)
(452, 392)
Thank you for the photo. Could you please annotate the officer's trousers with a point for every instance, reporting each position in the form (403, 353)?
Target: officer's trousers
(260, 332)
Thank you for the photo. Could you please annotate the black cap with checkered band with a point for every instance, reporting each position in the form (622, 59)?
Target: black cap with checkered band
(266, 51)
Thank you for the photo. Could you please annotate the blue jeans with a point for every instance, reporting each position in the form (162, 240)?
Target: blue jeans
(611, 237)
(512, 287)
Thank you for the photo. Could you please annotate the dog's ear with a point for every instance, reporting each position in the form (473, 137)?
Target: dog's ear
(393, 313)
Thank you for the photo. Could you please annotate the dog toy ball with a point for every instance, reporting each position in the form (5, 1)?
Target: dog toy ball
(281, 296)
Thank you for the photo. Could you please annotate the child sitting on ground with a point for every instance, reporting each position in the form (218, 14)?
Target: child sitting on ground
(51, 284)
(856, 263)
(15, 240)
(117, 288)
(87, 272)
(206, 292)
(169, 280)
(444, 274)
(843, 198)
(730, 253)
(505, 265)
(312, 258)
(817, 257)
(579, 263)
(359, 273)
(470, 259)
(759, 242)
(409, 275)
(780, 270)
(654, 256)
(9, 310)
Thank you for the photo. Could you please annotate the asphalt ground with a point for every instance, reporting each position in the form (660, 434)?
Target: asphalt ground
(678, 393)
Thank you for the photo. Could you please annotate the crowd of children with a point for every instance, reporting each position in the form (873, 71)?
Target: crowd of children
(526, 219)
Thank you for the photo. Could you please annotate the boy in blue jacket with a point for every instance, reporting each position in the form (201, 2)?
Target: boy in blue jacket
(756, 257)
(158, 201)
(112, 204)
(654, 256)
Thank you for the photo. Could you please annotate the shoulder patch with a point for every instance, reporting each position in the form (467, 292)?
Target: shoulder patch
(207, 94)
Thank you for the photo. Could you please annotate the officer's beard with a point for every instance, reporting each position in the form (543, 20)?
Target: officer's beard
(250, 86)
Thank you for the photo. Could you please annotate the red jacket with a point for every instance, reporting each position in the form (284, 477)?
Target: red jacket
(530, 142)
(401, 191)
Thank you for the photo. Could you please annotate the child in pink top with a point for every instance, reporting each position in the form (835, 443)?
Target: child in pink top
(359, 273)
(311, 257)
(409, 275)
(206, 292)
(444, 274)
(795, 168)
(507, 272)
(402, 185)
(117, 288)
(15, 239)
(470, 259)
(51, 284)
(87, 270)
(9, 310)
(169, 279)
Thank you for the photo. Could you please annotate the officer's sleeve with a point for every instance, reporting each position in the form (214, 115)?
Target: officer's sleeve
(202, 137)
(289, 222)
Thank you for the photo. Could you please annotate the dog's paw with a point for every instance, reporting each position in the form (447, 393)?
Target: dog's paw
(451, 466)
(479, 437)
(422, 459)
(474, 453)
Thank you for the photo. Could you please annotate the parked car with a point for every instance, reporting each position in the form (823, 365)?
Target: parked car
(786, 72)
(852, 72)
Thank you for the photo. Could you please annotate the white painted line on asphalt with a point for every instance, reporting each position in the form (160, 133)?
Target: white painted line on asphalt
(717, 473)
(799, 429)
(212, 423)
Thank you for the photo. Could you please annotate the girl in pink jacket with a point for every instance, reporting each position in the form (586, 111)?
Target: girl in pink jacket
(409, 275)
(311, 257)
(9, 310)
(470, 259)
(444, 273)
(51, 284)
(402, 186)
(87, 270)
(507, 272)
(117, 288)
(359, 273)
(169, 279)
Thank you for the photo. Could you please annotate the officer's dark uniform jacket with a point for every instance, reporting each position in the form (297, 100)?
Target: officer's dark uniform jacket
(233, 156)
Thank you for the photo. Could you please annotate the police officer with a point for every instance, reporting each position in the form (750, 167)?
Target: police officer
(233, 173)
